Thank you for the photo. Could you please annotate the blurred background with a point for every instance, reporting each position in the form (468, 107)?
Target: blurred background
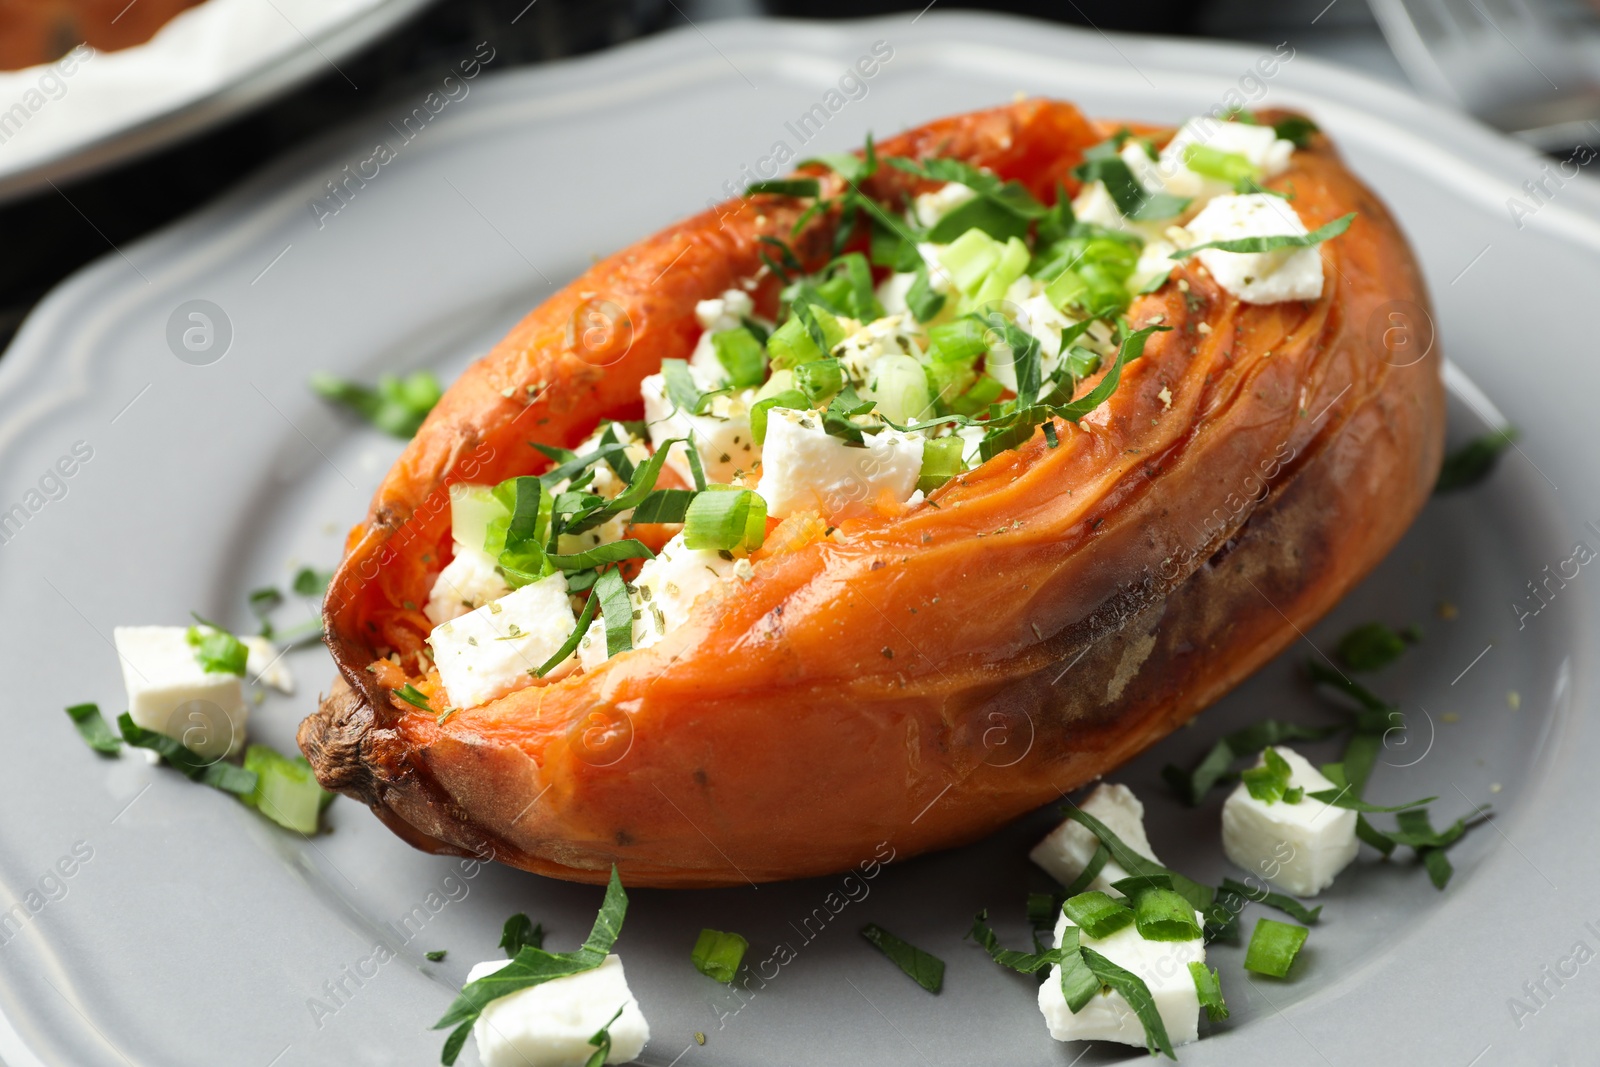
(1529, 67)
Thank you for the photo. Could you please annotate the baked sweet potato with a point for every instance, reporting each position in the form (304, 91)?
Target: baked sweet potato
(920, 674)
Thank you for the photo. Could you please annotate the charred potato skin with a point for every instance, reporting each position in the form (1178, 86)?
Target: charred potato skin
(916, 679)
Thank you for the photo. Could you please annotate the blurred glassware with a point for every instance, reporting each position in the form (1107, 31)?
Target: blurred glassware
(1519, 65)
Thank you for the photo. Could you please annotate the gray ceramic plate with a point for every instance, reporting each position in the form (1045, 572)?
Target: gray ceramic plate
(198, 934)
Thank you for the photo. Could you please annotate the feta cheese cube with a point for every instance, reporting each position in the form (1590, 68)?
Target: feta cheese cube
(549, 1025)
(1299, 848)
(927, 209)
(1257, 277)
(722, 434)
(1259, 144)
(467, 582)
(890, 335)
(1066, 851)
(494, 649)
(1164, 966)
(663, 595)
(267, 665)
(802, 466)
(170, 693)
(726, 312)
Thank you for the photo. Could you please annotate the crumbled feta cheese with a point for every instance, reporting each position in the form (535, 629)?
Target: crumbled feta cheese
(662, 594)
(971, 444)
(1299, 848)
(890, 335)
(468, 581)
(1094, 204)
(722, 434)
(493, 650)
(267, 665)
(170, 693)
(1259, 144)
(803, 466)
(928, 209)
(1154, 262)
(726, 312)
(1069, 847)
(1164, 966)
(1257, 277)
(550, 1024)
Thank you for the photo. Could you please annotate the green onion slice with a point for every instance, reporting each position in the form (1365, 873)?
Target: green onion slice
(1273, 947)
(286, 790)
(717, 954)
(1097, 914)
(726, 519)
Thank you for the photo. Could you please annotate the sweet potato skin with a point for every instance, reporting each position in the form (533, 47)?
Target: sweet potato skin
(918, 677)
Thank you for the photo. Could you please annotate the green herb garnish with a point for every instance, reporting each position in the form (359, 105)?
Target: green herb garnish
(1273, 947)
(602, 1042)
(413, 696)
(311, 582)
(1370, 647)
(1209, 989)
(1269, 782)
(94, 729)
(1474, 461)
(396, 406)
(1296, 128)
(923, 968)
(520, 932)
(216, 650)
(1131, 198)
(617, 609)
(1200, 896)
(435, 955)
(796, 187)
(1274, 242)
(212, 772)
(717, 955)
(1192, 786)
(1286, 904)
(534, 966)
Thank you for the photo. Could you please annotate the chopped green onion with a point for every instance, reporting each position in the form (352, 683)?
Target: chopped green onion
(740, 355)
(796, 187)
(819, 379)
(534, 966)
(810, 333)
(216, 650)
(961, 341)
(793, 399)
(1160, 913)
(717, 955)
(516, 536)
(1274, 242)
(923, 968)
(94, 729)
(286, 790)
(1273, 947)
(518, 932)
(1270, 781)
(898, 385)
(215, 773)
(1474, 461)
(726, 518)
(396, 406)
(413, 696)
(1097, 914)
(1230, 167)
(1023, 962)
(1208, 987)
(984, 391)
(941, 461)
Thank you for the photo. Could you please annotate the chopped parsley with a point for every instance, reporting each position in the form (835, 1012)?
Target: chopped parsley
(216, 650)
